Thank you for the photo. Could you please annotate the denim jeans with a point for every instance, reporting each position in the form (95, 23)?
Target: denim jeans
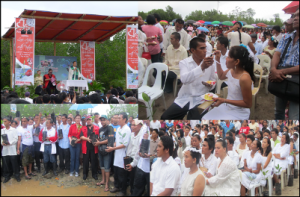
(75, 154)
(105, 162)
(280, 105)
(47, 154)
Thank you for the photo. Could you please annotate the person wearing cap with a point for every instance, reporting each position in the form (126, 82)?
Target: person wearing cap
(96, 120)
(122, 141)
(104, 158)
(64, 146)
(89, 151)
(27, 94)
(83, 121)
(289, 27)
(257, 45)
(133, 149)
(239, 37)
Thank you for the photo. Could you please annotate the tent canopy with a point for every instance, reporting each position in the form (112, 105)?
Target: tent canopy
(64, 27)
(291, 8)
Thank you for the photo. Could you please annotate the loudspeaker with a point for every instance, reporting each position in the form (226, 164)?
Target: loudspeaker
(39, 90)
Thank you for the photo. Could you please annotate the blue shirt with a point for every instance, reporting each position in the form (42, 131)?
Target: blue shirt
(65, 142)
(292, 55)
(115, 128)
(224, 126)
(258, 48)
(169, 125)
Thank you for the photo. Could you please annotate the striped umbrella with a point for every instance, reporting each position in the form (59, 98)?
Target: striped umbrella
(163, 22)
(261, 25)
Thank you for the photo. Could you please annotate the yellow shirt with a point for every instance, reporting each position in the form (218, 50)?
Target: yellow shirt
(270, 51)
(174, 56)
(38, 80)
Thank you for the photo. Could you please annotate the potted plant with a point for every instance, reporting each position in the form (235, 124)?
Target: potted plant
(278, 185)
(93, 86)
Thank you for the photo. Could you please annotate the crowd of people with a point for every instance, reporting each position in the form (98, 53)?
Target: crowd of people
(112, 96)
(223, 158)
(193, 57)
(66, 143)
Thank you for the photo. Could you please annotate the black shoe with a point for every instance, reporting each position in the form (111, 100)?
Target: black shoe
(54, 169)
(18, 179)
(46, 169)
(59, 170)
(84, 177)
(6, 179)
(114, 190)
(67, 171)
(99, 172)
(95, 177)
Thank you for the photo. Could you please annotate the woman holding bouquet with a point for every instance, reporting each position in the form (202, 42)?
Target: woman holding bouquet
(75, 146)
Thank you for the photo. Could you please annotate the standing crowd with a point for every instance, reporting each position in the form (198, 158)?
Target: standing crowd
(189, 158)
(66, 144)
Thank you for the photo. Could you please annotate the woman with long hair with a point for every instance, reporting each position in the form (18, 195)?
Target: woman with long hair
(240, 77)
(270, 49)
(193, 182)
(267, 164)
(251, 175)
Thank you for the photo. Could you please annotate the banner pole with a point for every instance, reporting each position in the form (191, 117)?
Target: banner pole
(11, 66)
(54, 48)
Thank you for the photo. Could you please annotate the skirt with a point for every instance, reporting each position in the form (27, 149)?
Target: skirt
(227, 112)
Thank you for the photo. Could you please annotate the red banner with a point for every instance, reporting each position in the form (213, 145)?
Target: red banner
(87, 58)
(24, 56)
(132, 56)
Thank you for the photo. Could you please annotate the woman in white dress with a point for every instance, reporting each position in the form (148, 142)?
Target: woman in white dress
(241, 148)
(252, 168)
(240, 76)
(208, 161)
(267, 164)
(226, 181)
(281, 153)
(193, 182)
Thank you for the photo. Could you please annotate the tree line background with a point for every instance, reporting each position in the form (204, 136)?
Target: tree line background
(110, 59)
(213, 15)
(30, 110)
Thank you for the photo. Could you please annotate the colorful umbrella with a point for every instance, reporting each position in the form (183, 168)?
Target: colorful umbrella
(82, 106)
(244, 23)
(207, 23)
(248, 26)
(227, 23)
(163, 22)
(190, 21)
(215, 22)
(254, 25)
(233, 22)
(203, 29)
(291, 8)
(261, 25)
(201, 21)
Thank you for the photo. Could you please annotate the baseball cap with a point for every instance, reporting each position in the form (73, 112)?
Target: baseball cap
(137, 121)
(27, 94)
(103, 116)
(289, 21)
(89, 117)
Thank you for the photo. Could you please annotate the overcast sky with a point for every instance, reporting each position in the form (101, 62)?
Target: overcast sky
(12, 9)
(263, 9)
(101, 109)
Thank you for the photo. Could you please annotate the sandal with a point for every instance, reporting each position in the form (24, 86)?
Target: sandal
(32, 174)
(98, 184)
(27, 177)
(106, 189)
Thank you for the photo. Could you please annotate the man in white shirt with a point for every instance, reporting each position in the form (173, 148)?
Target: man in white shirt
(208, 45)
(155, 124)
(276, 33)
(161, 45)
(194, 71)
(165, 174)
(237, 125)
(133, 149)
(25, 139)
(96, 120)
(231, 152)
(9, 151)
(27, 94)
(186, 136)
(177, 28)
(174, 54)
(122, 141)
(257, 45)
(239, 37)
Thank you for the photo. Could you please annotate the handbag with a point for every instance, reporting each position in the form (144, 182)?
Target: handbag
(289, 88)
(146, 54)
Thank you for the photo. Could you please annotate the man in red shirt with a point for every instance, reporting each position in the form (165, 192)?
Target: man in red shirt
(219, 31)
(89, 151)
(245, 128)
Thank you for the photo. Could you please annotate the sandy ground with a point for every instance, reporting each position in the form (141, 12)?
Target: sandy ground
(291, 191)
(62, 185)
(265, 105)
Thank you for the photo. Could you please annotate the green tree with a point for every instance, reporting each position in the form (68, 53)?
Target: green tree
(168, 14)
(132, 110)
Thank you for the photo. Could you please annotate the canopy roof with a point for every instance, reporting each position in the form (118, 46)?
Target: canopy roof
(65, 27)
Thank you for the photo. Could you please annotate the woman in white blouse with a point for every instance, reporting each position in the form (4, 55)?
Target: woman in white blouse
(226, 182)
(252, 165)
(281, 153)
(267, 164)
(241, 148)
(208, 160)
(193, 182)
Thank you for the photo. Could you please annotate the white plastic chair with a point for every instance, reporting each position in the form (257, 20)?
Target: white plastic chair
(142, 65)
(218, 86)
(265, 61)
(255, 90)
(270, 185)
(155, 91)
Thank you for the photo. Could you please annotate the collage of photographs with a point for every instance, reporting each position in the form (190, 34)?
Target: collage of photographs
(138, 98)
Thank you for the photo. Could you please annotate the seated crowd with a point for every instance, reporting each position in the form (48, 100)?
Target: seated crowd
(220, 158)
(98, 144)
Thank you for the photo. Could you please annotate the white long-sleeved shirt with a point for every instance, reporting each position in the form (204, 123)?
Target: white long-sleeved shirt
(12, 135)
(183, 38)
(192, 76)
(134, 146)
(174, 56)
